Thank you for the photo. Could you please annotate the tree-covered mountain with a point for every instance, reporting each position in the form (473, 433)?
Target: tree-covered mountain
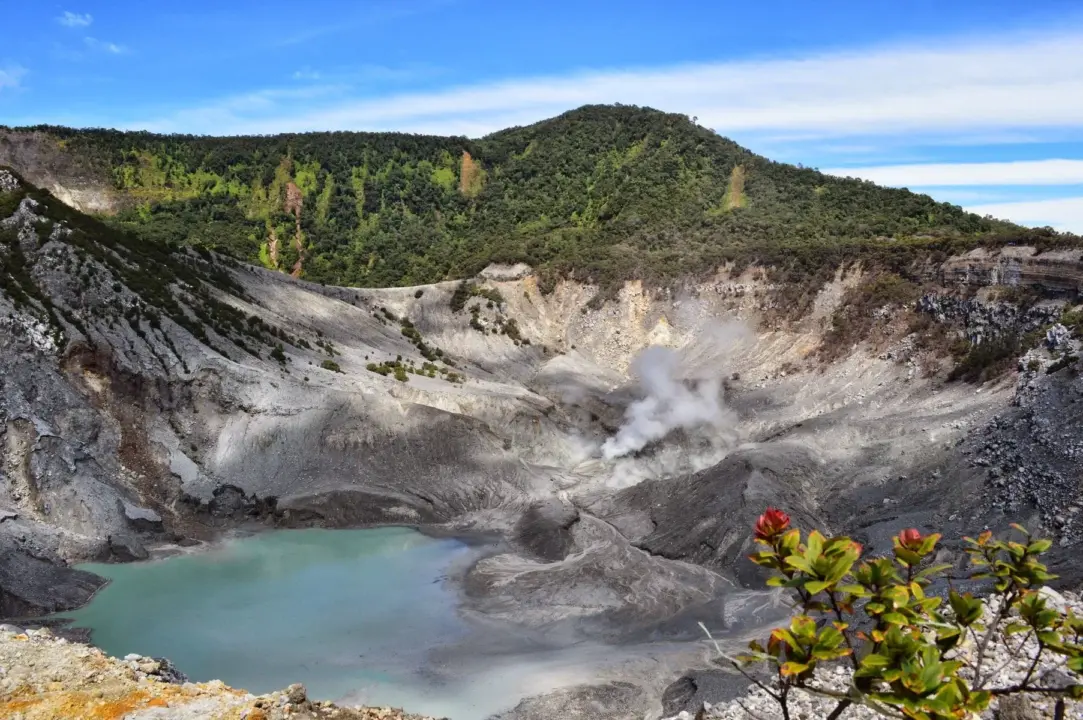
(601, 193)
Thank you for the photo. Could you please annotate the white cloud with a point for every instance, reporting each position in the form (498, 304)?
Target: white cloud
(1062, 214)
(70, 19)
(1008, 83)
(11, 76)
(1024, 172)
(104, 46)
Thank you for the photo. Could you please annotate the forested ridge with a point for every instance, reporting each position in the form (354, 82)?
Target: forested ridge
(601, 193)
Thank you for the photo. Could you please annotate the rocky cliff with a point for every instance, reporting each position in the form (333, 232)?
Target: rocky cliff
(152, 395)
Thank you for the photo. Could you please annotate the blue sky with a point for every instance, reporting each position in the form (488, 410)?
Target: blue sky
(976, 103)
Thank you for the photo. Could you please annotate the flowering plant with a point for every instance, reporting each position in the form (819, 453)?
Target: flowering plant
(912, 655)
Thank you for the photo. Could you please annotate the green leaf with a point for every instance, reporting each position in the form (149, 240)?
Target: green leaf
(932, 570)
(1039, 546)
(800, 563)
(793, 668)
(875, 660)
(815, 545)
(895, 618)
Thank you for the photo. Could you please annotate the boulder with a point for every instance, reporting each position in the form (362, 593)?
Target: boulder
(126, 548)
(1017, 708)
(140, 518)
(296, 694)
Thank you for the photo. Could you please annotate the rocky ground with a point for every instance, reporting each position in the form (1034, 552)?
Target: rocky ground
(131, 432)
(48, 678)
(1009, 665)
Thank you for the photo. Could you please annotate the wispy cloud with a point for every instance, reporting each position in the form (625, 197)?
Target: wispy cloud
(953, 88)
(305, 74)
(75, 20)
(1026, 172)
(104, 46)
(1061, 214)
(11, 76)
(369, 14)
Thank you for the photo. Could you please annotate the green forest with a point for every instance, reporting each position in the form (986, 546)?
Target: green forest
(601, 193)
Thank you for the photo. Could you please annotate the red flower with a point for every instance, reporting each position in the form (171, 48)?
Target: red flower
(910, 539)
(771, 524)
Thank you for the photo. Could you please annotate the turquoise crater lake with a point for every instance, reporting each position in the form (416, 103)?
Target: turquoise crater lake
(349, 613)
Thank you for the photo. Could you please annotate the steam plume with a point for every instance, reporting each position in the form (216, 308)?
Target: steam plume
(669, 404)
(674, 398)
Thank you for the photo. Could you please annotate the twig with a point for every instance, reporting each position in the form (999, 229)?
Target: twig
(993, 628)
(737, 666)
(840, 709)
(1034, 664)
(845, 635)
(1012, 655)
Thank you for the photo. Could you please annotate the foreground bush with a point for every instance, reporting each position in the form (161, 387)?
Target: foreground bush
(912, 657)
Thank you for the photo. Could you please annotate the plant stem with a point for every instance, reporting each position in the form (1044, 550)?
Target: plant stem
(845, 634)
(994, 626)
(840, 709)
(1034, 664)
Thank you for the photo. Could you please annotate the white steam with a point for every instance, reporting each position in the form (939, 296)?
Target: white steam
(682, 390)
(670, 403)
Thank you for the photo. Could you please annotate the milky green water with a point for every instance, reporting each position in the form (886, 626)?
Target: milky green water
(346, 612)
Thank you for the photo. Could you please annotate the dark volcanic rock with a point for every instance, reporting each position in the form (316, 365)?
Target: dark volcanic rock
(678, 696)
(611, 701)
(126, 548)
(704, 518)
(691, 690)
(29, 586)
(141, 519)
(545, 529)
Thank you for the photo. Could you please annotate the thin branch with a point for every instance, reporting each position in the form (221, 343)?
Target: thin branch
(991, 630)
(840, 709)
(783, 695)
(862, 699)
(1034, 664)
(1030, 689)
(737, 666)
(1012, 655)
(845, 635)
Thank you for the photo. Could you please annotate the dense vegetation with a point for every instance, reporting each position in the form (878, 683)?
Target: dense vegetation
(163, 280)
(601, 193)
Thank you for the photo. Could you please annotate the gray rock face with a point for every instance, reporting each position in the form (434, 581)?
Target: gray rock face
(126, 548)
(704, 518)
(545, 529)
(689, 692)
(142, 519)
(1030, 454)
(8, 183)
(1058, 337)
(986, 320)
(121, 428)
(30, 585)
(611, 701)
